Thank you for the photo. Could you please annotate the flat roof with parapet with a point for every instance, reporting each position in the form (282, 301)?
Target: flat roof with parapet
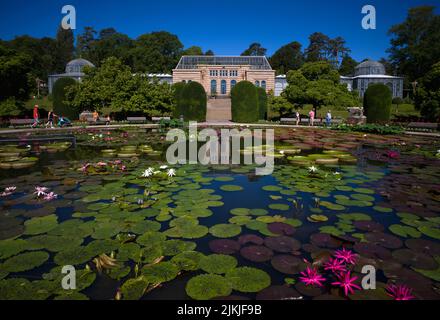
(255, 62)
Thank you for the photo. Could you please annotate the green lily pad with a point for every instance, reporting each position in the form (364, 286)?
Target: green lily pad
(225, 230)
(188, 260)
(405, 231)
(382, 209)
(430, 232)
(25, 261)
(258, 212)
(134, 289)
(240, 220)
(53, 243)
(174, 247)
(272, 188)
(240, 212)
(160, 272)
(218, 263)
(208, 286)
(246, 279)
(279, 206)
(231, 188)
(432, 274)
(40, 225)
(9, 248)
(151, 237)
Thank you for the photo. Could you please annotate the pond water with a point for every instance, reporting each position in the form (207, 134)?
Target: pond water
(218, 231)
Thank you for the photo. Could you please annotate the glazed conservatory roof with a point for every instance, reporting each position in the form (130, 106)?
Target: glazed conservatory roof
(255, 62)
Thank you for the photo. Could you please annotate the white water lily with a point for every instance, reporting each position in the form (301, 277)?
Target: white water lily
(336, 173)
(171, 173)
(157, 172)
(282, 151)
(163, 167)
(147, 173)
(313, 169)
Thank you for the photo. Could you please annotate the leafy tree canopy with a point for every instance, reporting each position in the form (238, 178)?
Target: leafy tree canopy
(288, 57)
(427, 98)
(255, 49)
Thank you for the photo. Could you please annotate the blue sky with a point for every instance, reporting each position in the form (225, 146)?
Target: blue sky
(225, 26)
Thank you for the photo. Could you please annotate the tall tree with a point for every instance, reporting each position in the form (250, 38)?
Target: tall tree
(337, 50)
(427, 97)
(209, 53)
(64, 48)
(317, 83)
(14, 75)
(288, 57)
(193, 51)
(348, 66)
(318, 47)
(110, 44)
(85, 42)
(255, 49)
(415, 43)
(156, 52)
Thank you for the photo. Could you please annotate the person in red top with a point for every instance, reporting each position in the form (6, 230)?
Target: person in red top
(36, 117)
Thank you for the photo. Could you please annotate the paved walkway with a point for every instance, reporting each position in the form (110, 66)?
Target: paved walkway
(213, 123)
(218, 110)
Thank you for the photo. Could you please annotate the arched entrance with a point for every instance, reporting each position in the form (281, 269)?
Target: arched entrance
(223, 87)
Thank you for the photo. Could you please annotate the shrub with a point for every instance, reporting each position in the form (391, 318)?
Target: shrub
(244, 101)
(377, 103)
(177, 93)
(191, 102)
(262, 103)
(59, 97)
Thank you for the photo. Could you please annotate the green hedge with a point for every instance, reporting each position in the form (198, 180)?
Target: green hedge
(244, 100)
(59, 96)
(377, 103)
(262, 103)
(190, 101)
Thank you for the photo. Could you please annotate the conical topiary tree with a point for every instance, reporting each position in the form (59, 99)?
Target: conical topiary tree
(377, 103)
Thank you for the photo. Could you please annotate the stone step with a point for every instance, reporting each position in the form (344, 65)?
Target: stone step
(218, 110)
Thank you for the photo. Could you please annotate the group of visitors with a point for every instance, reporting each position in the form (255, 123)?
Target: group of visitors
(328, 118)
(62, 120)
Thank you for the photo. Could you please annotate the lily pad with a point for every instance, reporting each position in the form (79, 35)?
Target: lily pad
(279, 206)
(287, 264)
(405, 231)
(40, 225)
(134, 289)
(246, 279)
(282, 244)
(231, 188)
(208, 286)
(25, 261)
(218, 263)
(224, 246)
(160, 272)
(225, 230)
(188, 260)
(256, 253)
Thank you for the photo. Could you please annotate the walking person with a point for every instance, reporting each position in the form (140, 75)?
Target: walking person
(328, 118)
(297, 118)
(36, 116)
(312, 117)
(107, 120)
(95, 116)
(50, 117)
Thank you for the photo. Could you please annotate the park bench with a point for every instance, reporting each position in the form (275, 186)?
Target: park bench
(159, 119)
(136, 119)
(20, 122)
(100, 121)
(423, 126)
(337, 121)
(288, 120)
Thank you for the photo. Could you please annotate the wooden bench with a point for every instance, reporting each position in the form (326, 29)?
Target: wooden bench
(100, 121)
(159, 119)
(20, 122)
(137, 119)
(288, 120)
(337, 121)
(423, 126)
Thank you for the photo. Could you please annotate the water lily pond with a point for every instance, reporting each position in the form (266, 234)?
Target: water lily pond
(135, 227)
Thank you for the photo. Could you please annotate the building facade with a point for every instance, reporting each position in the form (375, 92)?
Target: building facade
(369, 72)
(219, 74)
(74, 70)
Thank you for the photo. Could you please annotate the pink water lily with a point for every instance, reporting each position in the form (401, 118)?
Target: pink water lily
(50, 196)
(311, 277)
(101, 164)
(346, 256)
(85, 167)
(334, 265)
(40, 191)
(400, 292)
(346, 282)
(10, 189)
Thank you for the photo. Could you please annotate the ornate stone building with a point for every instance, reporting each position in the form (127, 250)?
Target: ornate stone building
(219, 74)
(74, 70)
(369, 72)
